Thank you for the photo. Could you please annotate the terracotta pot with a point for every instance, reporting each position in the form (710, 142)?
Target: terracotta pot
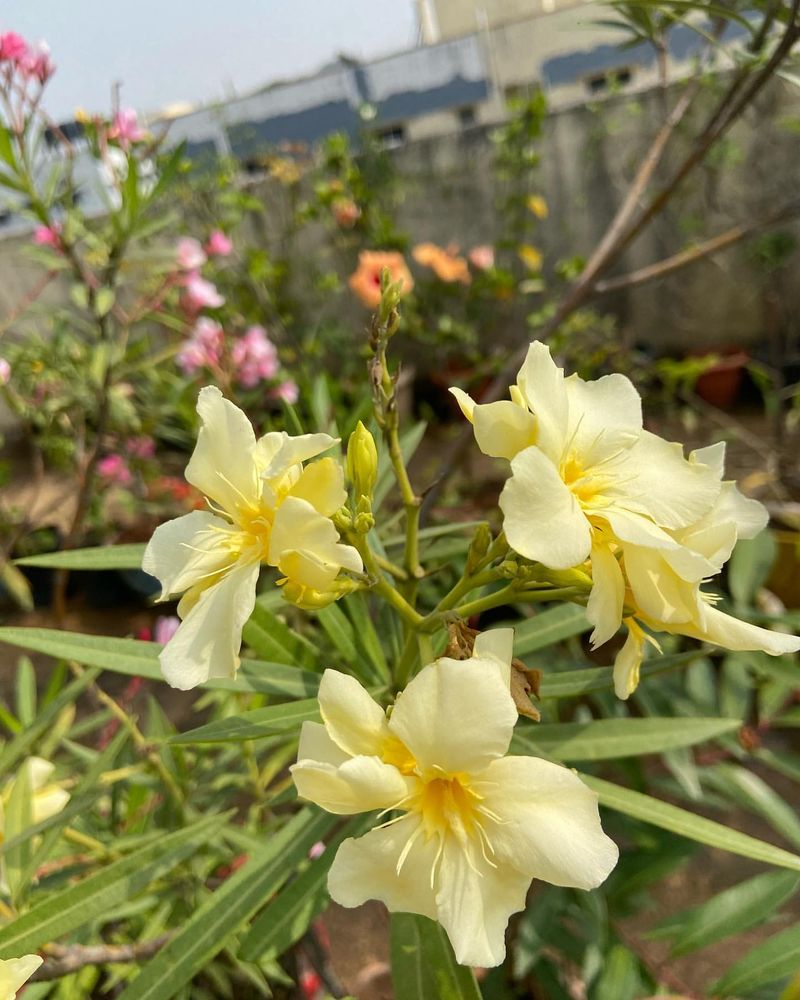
(721, 384)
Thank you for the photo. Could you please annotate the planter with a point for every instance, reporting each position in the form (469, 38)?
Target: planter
(721, 384)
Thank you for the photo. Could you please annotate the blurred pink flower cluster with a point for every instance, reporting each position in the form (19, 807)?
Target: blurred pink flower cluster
(30, 62)
(250, 360)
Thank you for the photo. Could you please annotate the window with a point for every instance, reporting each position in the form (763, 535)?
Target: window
(466, 116)
(611, 80)
(391, 138)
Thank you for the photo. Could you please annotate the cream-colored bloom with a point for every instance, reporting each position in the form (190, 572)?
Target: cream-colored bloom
(663, 586)
(14, 972)
(589, 483)
(475, 826)
(265, 507)
(47, 798)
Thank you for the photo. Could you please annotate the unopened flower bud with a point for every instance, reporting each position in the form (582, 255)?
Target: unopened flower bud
(509, 568)
(363, 523)
(362, 461)
(342, 520)
(479, 546)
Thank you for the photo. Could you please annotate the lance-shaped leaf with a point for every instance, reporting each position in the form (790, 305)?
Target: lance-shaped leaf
(423, 964)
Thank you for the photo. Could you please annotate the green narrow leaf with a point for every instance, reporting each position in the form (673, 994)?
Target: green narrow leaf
(735, 910)
(357, 608)
(286, 919)
(574, 683)
(96, 558)
(549, 627)
(26, 691)
(775, 959)
(686, 824)
(104, 891)
(253, 725)
(219, 917)
(619, 978)
(607, 739)
(131, 656)
(749, 567)
(423, 964)
(273, 640)
(28, 738)
(18, 815)
(339, 630)
(752, 792)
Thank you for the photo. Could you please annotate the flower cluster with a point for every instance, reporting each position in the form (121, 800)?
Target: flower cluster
(30, 62)
(589, 487)
(265, 506)
(475, 826)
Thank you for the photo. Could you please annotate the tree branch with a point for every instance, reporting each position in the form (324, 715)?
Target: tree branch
(689, 256)
(64, 960)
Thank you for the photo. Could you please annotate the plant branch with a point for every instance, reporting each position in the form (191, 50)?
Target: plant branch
(63, 960)
(686, 257)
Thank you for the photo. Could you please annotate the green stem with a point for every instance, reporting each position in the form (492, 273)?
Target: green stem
(513, 595)
(382, 586)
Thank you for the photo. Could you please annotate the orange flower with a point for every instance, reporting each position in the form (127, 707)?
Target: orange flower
(345, 212)
(365, 281)
(444, 264)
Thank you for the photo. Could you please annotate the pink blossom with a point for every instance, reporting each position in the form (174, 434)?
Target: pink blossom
(5, 371)
(316, 850)
(218, 244)
(482, 257)
(203, 348)
(166, 626)
(287, 391)
(114, 469)
(48, 236)
(200, 294)
(190, 256)
(13, 47)
(125, 128)
(141, 447)
(37, 64)
(254, 357)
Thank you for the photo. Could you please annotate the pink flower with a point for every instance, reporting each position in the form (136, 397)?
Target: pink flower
(482, 257)
(48, 236)
(114, 469)
(141, 447)
(5, 371)
(316, 850)
(190, 256)
(125, 128)
(12, 47)
(200, 294)
(345, 212)
(166, 626)
(287, 391)
(254, 357)
(37, 64)
(218, 244)
(203, 348)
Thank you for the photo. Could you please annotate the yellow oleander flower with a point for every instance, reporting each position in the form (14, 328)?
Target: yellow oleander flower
(530, 257)
(265, 507)
(47, 798)
(589, 483)
(537, 206)
(475, 826)
(14, 972)
(663, 585)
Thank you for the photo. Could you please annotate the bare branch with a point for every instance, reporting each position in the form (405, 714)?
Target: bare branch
(680, 260)
(63, 960)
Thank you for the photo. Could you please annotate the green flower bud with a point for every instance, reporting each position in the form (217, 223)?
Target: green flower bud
(479, 546)
(362, 461)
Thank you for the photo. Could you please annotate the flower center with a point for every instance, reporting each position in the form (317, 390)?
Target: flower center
(448, 805)
(584, 486)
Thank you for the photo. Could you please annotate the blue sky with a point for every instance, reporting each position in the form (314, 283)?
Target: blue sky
(164, 51)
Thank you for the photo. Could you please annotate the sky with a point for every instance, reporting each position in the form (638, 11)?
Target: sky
(168, 51)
